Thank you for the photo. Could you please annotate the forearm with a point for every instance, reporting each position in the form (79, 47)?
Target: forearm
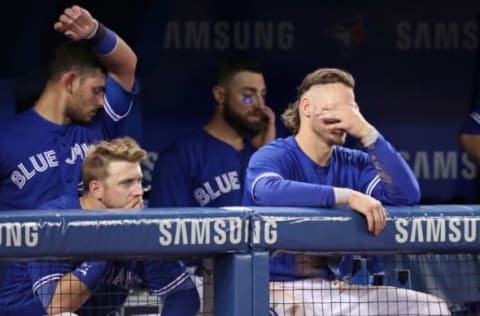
(399, 181)
(75, 288)
(274, 191)
(117, 56)
(70, 294)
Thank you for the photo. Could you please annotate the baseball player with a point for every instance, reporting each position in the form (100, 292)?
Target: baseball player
(311, 168)
(112, 179)
(206, 168)
(89, 91)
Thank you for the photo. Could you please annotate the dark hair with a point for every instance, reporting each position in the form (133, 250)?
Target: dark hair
(229, 67)
(73, 55)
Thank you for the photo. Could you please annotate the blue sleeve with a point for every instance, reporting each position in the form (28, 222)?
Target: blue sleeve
(118, 101)
(266, 183)
(173, 285)
(45, 276)
(91, 273)
(471, 125)
(117, 105)
(164, 278)
(274, 191)
(394, 182)
(171, 186)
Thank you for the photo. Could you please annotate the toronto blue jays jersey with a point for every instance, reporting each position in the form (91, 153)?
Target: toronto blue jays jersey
(29, 286)
(41, 160)
(109, 295)
(281, 174)
(199, 170)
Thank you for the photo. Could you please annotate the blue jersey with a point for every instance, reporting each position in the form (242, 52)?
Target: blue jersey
(29, 286)
(199, 170)
(109, 295)
(281, 174)
(40, 160)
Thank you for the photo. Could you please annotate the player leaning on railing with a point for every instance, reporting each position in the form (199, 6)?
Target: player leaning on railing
(312, 168)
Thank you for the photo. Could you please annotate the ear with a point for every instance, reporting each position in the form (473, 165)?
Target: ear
(305, 106)
(70, 81)
(219, 94)
(96, 189)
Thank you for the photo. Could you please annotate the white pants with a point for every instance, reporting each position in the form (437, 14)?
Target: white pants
(313, 297)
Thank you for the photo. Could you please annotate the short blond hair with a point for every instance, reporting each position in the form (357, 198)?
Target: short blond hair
(291, 117)
(101, 154)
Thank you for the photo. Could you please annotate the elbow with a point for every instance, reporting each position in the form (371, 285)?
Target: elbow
(130, 67)
(133, 64)
(411, 192)
(265, 198)
(414, 198)
(410, 197)
(414, 195)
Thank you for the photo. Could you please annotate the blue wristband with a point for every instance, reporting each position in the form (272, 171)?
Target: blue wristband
(104, 40)
(91, 273)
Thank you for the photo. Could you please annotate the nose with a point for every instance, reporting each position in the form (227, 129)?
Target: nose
(99, 101)
(259, 100)
(138, 189)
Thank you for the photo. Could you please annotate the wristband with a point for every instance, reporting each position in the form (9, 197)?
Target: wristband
(341, 195)
(370, 138)
(91, 273)
(103, 40)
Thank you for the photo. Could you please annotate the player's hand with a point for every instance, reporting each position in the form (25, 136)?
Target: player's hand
(371, 208)
(76, 23)
(346, 117)
(269, 132)
(134, 202)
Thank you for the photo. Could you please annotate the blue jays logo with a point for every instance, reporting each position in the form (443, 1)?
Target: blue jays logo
(347, 33)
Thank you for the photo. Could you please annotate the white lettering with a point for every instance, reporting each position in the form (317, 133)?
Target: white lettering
(200, 232)
(28, 174)
(402, 233)
(270, 232)
(455, 234)
(440, 165)
(213, 194)
(218, 231)
(181, 234)
(18, 179)
(435, 230)
(223, 35)
(233, 177)
(445, 165)
(470, 170)
(31, 235)
(77, 151)
(201, 196)
(225, 185)
(165, 238)
(421, 166)
(222, 184)
(454, 229)
(437, 35)
(220, 235)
